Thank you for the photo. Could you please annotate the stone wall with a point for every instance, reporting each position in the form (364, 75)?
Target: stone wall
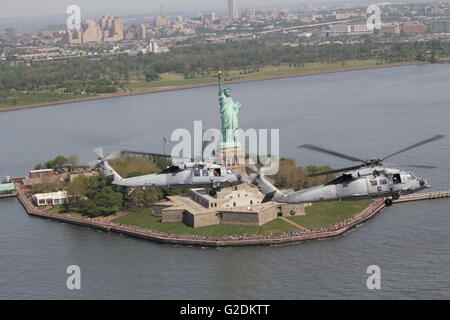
(200, 219)
(235, 217)
(172, 215)
(268, 215)
(160, 206)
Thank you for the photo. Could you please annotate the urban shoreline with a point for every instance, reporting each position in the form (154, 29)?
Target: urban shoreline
(208, 84)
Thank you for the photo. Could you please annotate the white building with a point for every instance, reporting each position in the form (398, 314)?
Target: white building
(360, 28)
(154, 47)
(340, 28)
(232, 10)
(51, 199)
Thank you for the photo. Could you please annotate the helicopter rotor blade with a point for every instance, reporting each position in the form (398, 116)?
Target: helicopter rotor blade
(331, 152)
(437, 137)
(99, 152)
(336, 171)
(113, 156)
(153, 154)
(419, 166)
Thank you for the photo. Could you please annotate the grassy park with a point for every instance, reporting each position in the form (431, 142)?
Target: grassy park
(59, 210)
(328, 213)
(317, 215)
(174, 80)
(25, 99)
(145, 219)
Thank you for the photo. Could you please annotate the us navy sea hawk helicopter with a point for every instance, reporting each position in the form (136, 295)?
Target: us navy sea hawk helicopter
(192, 174)
(370, 179)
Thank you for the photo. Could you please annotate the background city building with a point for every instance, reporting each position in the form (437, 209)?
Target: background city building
(232, 9)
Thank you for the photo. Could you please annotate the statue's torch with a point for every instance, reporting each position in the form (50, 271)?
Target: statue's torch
(220, 78)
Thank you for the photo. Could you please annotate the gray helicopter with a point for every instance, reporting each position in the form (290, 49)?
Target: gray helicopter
(370, 179)
(199, 174)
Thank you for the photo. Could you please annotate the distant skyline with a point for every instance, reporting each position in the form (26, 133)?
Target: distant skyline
(33, 8)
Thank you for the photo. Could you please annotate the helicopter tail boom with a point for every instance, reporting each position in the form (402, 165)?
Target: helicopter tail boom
(110, 173)
(270, 192)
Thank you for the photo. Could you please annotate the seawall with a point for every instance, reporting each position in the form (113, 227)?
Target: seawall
(229, 241)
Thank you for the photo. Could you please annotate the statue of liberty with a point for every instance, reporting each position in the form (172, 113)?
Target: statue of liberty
(229, 111)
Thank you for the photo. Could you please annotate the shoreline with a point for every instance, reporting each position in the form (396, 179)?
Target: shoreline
(204, 85)
(191, 240)
(333, 231)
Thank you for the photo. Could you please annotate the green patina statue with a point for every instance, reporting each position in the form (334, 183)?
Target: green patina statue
(229, 114)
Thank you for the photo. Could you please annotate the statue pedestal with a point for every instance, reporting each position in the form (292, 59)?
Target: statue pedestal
(233, 158)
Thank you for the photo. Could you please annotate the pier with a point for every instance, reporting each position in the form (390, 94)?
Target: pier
(8, 195)
(424, 196)
(227, 241)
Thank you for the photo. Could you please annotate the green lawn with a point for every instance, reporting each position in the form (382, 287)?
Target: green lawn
(58, 209)
(174, 80)
(22, 99)
(328, 213)
(144, 218)
(155, 85)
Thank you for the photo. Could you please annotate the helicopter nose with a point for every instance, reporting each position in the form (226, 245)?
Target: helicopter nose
(423, 183)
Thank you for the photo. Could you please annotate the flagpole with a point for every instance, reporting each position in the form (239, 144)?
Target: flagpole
(164, 145)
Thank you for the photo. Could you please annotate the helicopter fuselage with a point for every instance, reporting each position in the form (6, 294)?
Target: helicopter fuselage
(186, 175)
(376, 182)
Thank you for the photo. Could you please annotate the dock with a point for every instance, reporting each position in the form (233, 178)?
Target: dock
(228, 241)
(8, 195)
(424, 196)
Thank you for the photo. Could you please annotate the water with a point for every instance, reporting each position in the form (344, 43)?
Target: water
(363, 113)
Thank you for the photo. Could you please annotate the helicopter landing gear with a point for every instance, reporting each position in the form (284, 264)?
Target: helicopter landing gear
(395, 195)
(388, 202)
(212, 192)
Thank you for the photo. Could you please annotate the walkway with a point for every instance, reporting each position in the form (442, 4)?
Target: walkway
(294, 224)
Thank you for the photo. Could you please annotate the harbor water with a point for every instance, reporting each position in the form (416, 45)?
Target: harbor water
(368, 114)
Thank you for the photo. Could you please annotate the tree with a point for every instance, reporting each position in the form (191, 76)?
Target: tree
(96, 198)
(78, 188)
(151, 76)
(72, 159)
(57, 162)
(141, 198)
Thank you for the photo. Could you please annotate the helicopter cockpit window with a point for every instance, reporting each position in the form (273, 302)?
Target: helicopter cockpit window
(229, 171)
(373, 183)
(205, 173)
(196, 173)
(383, 181)
(396, 179)
(410, 176)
